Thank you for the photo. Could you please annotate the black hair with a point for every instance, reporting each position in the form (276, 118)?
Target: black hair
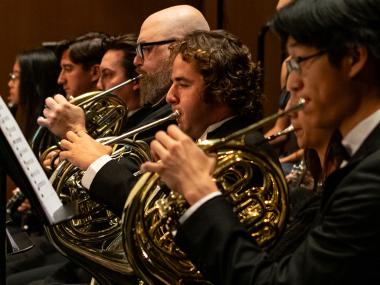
(39, 70)
(126, 44)
(230, 75)
(87, 49)
(333, 26)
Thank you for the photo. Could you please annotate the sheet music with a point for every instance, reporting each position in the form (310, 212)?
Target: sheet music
(47, 196)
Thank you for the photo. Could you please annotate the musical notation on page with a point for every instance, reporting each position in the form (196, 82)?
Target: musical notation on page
(43, 189)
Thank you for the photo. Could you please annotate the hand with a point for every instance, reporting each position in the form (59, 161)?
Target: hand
(81, 149)
(51, 156)
(182, 165)
(62, 116)
(24, 206)
(295, 156)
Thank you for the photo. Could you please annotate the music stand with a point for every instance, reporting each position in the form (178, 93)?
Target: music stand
(19, 162)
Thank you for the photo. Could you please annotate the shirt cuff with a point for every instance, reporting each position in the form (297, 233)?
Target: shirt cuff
(196, 205)
(94, 167)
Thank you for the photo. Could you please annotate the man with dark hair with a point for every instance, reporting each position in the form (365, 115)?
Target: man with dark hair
(79, 74)
(334, 65)
(117, 67)
(152, 60)
(80, 64)
(80, 60)
(223, 83)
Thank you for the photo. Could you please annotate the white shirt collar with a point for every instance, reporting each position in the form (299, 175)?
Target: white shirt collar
(213, 127)
(355, 138)
(130, 113)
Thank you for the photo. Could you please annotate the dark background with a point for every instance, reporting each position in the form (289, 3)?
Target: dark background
(25, 24)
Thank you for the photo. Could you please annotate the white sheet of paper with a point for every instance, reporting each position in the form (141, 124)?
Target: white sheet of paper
(42, 187)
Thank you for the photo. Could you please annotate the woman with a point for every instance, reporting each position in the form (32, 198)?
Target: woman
(33, 78)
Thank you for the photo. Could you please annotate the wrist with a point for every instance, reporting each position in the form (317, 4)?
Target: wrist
(200, 189)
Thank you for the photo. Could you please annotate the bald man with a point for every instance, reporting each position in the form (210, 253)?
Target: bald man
(156, 33)
(109, 181)
(152, 60)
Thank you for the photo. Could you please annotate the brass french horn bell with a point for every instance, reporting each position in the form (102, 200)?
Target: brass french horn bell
(247, 177)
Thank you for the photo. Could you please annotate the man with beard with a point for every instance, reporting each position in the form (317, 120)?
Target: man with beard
(152, 60)
(334, 66)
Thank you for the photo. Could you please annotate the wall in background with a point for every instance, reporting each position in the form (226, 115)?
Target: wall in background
(25, 24)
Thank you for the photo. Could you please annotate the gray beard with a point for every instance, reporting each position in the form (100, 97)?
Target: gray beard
(154, 86)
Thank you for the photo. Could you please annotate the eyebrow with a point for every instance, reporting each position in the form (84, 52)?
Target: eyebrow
(181, 78)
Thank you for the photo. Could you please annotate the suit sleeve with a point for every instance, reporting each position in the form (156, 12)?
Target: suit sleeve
(113, 183)
(342, 249)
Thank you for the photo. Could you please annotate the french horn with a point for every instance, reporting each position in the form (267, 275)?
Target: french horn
(104, 111)
(93, 239)
(247, 177)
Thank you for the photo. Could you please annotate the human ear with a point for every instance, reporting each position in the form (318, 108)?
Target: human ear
(357, 59)
(95, 72)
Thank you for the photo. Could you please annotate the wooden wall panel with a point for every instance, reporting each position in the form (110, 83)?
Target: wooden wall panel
(25, 24)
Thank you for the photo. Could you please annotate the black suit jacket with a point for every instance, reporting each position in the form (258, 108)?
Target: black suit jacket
(343, 248)
(115, 180)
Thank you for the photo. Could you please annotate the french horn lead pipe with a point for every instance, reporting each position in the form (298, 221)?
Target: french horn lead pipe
(259, 124)
(108, 91)
(172, 116)
(120, 85)
(252, 127)
(285, 131)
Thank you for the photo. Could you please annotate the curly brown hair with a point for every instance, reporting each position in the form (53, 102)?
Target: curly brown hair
(230, 75)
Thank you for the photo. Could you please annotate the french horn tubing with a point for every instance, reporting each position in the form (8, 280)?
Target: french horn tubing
(93, 239)
(104, 113)
(247, 177)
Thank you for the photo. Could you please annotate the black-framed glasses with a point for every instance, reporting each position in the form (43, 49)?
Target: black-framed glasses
(294, 64)
(13, 76)
(140, 46)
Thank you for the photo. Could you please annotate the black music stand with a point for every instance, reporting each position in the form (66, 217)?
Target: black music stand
(11, 166)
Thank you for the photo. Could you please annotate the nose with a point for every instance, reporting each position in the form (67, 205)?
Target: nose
(137, 61)
(171, 97)
(294, 82)
(99, 84)
(61, 78)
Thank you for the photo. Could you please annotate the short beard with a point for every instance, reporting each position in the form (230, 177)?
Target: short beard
(154, 86)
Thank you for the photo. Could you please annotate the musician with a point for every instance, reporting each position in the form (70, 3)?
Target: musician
(80, 60)
(116, 67)
(152, 60)
(32, 80)
(79, 67)
(334, 66)
(80, 64)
